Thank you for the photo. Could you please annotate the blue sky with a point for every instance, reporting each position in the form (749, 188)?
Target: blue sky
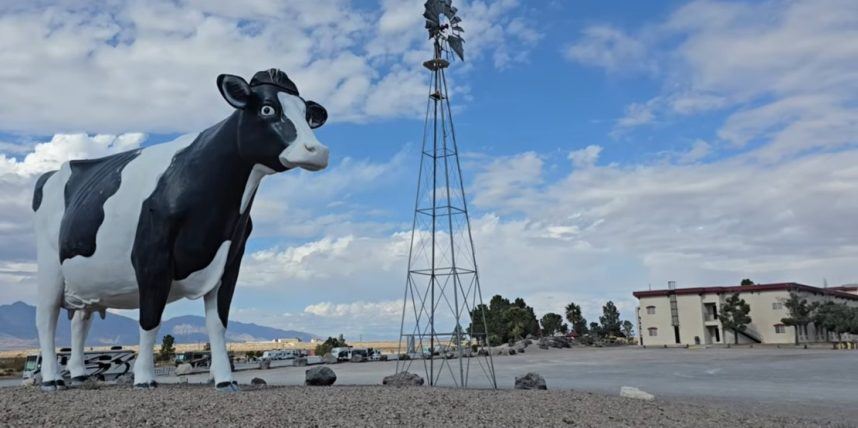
(605, 148)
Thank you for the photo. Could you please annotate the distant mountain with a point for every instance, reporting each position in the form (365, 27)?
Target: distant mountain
(18, 329)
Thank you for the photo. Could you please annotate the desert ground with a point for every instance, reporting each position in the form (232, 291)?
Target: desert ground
(693, 387)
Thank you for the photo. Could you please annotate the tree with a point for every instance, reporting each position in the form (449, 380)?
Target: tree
(505, 320)
(747, 282)
(628, 328)
(799, 313)
(835, 317)
(595, 330)
(734, 315)
(553, 323)
(576, 319)
(330, 343)
(610, 320)
(167, 350)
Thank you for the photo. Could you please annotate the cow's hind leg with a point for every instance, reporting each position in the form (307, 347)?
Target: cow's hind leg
(220, 365)
(79, 328)
(50, 289)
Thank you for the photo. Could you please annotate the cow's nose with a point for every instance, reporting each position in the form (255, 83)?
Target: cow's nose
(310, 147)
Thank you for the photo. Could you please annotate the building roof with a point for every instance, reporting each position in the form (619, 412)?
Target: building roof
(841, 292)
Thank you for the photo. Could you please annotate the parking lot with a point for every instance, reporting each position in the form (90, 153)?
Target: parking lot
(789, 380)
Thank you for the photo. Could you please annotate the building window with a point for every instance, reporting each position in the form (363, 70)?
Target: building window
(780, 328)
(650, 310)
(653, 331)
(777, 306)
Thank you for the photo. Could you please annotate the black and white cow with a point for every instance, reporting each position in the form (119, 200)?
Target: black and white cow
(143, 228)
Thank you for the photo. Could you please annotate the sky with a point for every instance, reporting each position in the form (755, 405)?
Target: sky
(606, 147)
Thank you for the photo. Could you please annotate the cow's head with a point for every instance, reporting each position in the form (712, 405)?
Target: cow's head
(275, 123)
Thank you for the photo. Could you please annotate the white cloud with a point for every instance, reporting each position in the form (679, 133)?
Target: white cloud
(787, 81)
(610, 48)
(585, 157)
(151, 66)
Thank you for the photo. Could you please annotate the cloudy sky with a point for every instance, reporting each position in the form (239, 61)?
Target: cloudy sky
(604, 149)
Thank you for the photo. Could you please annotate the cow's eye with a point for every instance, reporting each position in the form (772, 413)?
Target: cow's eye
(267, 111)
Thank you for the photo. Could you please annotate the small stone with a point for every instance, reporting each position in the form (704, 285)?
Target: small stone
(258, 382)
(632, 392)
(530, 381)
(403, 379)
(320, 376)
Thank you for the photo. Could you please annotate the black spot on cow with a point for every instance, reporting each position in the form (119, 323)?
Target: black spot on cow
(193, 210)
(37, 194)
(91, 182)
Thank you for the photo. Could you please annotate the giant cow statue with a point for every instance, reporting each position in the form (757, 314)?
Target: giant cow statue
(143, 228)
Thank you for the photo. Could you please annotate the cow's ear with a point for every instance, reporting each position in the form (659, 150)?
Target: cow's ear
(316, 114)
(234, 89)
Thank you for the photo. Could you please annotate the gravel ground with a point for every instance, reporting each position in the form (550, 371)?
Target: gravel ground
(193, 405)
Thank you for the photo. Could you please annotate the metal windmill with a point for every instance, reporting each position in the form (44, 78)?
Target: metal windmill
(443, 328)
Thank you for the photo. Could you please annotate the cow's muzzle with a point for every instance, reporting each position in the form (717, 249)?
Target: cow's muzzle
(312, 156)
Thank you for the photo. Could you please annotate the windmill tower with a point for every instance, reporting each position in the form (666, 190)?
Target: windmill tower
(443, 326)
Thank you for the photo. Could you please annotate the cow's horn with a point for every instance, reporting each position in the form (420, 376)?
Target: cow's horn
(102, 313)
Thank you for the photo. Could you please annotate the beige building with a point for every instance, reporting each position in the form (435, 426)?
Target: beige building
(689, 316)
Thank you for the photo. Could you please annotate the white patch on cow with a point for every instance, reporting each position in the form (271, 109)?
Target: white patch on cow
(256, 175)
(107, 278)
(202, 281)
(306, 151)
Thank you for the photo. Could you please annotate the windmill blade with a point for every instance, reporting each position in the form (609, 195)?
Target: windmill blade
(456, 44)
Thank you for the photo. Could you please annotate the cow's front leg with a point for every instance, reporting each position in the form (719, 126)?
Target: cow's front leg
(47, 310)
(152, 259)
(220, 365)
(79, 327)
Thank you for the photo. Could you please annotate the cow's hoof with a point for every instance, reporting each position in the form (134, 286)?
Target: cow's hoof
(53, 385)
(78, 381)
(228, 387)
(150, 385)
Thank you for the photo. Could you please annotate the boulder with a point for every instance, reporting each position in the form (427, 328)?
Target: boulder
(264, 364)
(632, 392)
(320, 376)
(511, 351)
(483, 352)
(543, 345)
(258, 382)
(299, 362)
(403, 379)
(184, 369)
(530, 381)
(125, 379)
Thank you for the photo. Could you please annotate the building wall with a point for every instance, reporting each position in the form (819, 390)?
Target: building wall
(695, 327)
(659, 320)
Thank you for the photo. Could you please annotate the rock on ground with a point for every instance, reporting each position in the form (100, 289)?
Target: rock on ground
(632, 392)
(403, 379)
(320, 376)
(530, 381)
(171, 405)
(258, 382)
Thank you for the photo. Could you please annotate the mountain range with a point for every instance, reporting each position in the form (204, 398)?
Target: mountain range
(18, 329)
